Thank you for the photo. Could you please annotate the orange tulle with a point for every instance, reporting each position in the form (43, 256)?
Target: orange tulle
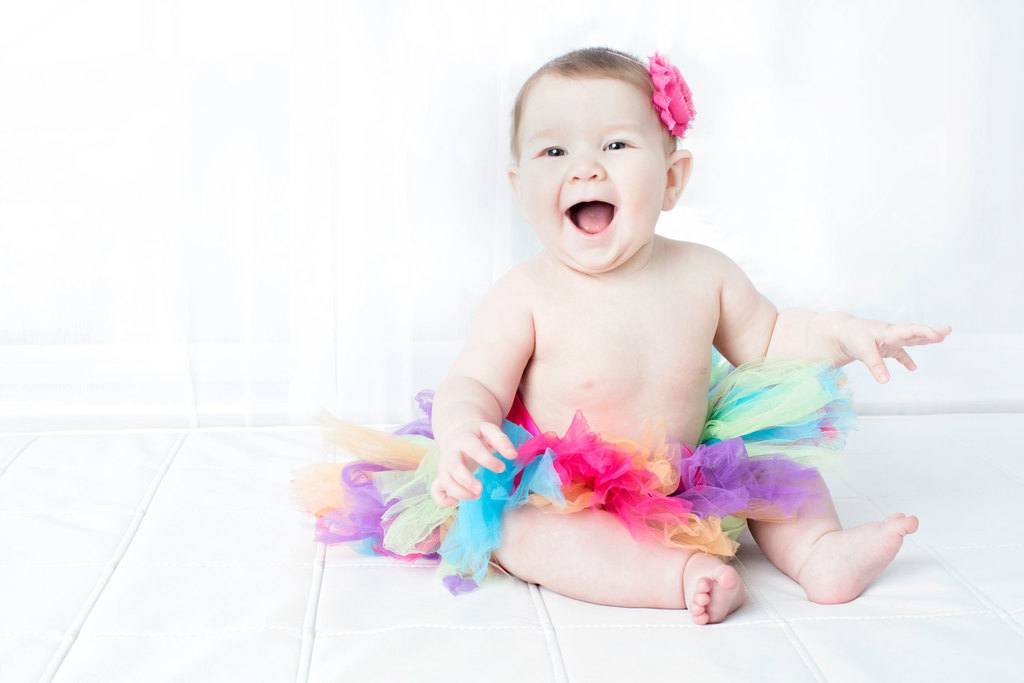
(370, 444)
(317, 488)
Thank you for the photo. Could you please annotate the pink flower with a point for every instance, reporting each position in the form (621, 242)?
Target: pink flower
(671, 97)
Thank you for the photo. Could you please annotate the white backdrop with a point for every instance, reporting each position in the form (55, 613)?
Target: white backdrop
(242, 213)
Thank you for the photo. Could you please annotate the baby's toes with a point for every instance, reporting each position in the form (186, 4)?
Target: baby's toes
(901, 523)
(697, 602)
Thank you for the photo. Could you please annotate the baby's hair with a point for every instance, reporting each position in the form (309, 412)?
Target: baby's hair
(590, 62)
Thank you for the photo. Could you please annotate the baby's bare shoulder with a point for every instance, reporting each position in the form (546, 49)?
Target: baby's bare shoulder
(695, 259)
(513, 292)
(520, 281)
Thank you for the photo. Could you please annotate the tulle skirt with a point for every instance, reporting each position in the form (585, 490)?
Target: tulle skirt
(771, 425)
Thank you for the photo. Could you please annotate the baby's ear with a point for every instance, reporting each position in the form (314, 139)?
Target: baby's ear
(513, 179)
(676, 176)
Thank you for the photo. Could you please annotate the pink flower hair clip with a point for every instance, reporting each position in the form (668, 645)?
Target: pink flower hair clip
(671, 97)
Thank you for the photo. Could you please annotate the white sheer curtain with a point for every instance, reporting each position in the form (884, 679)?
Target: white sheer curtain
(241, 213)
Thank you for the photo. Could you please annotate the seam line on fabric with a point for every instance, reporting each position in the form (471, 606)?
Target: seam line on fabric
(312, 613)
(18, 454)
(550, 635)
(71, 635)
(787, 629)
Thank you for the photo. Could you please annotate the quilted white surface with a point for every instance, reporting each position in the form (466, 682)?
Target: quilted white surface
(165, 555)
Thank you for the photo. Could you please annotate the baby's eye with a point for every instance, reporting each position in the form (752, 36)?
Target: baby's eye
(617, 142)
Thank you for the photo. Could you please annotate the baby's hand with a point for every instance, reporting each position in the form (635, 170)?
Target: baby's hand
(454, 480)
(872, 340)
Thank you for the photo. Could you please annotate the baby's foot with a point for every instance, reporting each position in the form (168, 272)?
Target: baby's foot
(842, 563)
(712, 588)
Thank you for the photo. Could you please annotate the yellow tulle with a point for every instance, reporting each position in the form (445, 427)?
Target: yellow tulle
(654, 453)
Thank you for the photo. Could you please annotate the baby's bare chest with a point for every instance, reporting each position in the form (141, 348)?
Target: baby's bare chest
(621, 359)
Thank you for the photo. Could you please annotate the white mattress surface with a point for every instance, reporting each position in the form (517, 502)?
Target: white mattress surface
(176, 555)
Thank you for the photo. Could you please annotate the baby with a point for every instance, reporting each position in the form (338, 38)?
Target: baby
(617, 321)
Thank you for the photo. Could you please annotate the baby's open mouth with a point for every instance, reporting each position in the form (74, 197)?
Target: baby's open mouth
(591, 217)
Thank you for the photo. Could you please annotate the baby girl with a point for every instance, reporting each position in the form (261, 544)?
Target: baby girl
(618, 322)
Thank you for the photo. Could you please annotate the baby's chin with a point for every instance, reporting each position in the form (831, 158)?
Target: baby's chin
(594, 254)
(597, 261)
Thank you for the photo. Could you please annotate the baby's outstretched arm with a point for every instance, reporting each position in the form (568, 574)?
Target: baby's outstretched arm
(849, 338)
(750, 328)
(832, 564)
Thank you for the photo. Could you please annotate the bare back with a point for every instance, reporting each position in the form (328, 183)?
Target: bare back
(626, 351)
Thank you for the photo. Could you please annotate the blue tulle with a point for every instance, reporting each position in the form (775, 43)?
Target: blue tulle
(476, 532)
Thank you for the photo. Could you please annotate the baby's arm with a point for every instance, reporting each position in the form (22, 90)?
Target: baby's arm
(746, 318)
(750, 328)
(482, 383)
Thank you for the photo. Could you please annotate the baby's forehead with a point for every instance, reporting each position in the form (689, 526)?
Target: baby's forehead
(556, 87)
(556, 102)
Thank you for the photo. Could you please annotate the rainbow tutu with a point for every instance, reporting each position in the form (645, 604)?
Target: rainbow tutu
(771, 426)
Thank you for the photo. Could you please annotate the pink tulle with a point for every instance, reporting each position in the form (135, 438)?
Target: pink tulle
(599, 474)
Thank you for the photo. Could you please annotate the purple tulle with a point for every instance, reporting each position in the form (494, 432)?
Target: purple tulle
(456, 584)
(361, 519)
(721, 479)
(421, 426)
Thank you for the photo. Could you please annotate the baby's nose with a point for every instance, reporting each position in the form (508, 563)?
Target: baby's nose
(590, 173)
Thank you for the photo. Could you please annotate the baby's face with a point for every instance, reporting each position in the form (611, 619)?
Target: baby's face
(594, 139)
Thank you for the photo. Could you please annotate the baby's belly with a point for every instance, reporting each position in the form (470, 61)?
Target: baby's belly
(618, 404)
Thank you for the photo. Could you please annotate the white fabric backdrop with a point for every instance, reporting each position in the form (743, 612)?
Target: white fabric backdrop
(242, 213)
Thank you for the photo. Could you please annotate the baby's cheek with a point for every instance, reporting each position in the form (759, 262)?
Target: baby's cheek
(540, 208)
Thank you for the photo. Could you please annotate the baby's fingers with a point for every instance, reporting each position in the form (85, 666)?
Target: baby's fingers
(467, 483)
(438, 491)
(914, 334)
(866, 350)
(498, 441)
(904, 357)
(475, 447)
(454, 489)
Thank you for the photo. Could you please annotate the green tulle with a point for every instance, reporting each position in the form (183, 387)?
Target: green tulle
(780, 406)
(416, 515)
(733, 526)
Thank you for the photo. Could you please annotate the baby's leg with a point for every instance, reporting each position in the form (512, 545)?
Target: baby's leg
(832, 565)
(590, 555)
